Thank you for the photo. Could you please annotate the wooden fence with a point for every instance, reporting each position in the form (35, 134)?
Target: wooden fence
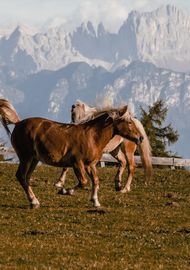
(107, 158)
(162, 161)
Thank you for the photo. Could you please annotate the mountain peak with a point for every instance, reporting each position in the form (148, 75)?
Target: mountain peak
(24, 29)
(168, 10)
(101, 30)
(87, 27)
(16, 34)
(163, 11)
(21, 30)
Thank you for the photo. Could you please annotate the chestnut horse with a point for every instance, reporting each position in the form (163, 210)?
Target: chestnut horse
(121, 149)
(65, 145)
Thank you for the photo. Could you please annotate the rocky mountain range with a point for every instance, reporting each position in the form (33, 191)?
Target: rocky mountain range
(148, 58)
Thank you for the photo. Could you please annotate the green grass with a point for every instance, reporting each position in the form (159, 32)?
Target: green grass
(148, 228)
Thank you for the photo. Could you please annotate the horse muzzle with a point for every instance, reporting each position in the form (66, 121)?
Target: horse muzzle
(138, 140)
(141, 139)
(135, 140)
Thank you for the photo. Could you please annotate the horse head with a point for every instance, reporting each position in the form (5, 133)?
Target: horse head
(77, 112)
(80, 110)
(125, 125)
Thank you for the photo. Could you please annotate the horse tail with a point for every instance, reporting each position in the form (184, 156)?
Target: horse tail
(8, 114)
(145, 152)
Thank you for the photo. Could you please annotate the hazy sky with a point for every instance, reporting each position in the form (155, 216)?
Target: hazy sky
(43, 13)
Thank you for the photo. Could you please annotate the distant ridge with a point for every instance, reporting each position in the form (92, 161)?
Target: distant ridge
(43, 73)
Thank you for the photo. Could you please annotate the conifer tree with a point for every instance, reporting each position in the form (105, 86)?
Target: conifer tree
(160, 136)
(1, 148)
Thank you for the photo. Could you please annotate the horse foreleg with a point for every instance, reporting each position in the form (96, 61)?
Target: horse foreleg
(23, 174)
(131, 171)
(91, 170)
(61, 181)
(80, 173)
(119, 155)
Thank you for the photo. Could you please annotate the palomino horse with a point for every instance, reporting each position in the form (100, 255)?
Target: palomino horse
(121, 149)
(65, 145)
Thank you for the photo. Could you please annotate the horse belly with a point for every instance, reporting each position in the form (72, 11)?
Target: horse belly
(53, 152)
(53, 159)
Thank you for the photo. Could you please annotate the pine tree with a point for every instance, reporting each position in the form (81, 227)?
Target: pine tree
(160, 136)
(1, 148)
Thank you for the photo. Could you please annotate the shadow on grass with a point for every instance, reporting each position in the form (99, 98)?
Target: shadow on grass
(98, 211)
(13, 206)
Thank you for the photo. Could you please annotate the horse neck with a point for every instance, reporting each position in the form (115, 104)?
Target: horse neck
(103, 129)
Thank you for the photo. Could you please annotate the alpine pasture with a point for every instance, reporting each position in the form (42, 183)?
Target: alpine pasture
(147, 228)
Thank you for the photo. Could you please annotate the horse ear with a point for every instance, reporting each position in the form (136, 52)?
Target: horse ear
(123, 110)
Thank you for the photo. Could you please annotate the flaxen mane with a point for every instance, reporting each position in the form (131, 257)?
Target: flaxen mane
(112, 112)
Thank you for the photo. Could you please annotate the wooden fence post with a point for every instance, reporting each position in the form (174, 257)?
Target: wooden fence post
(102, 164)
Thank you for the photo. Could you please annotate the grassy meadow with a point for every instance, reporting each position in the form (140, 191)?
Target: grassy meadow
(148, 228)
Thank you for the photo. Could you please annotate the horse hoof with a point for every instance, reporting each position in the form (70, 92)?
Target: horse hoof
(68, 191)
(96, 204)
(34, 206)
(124, 190)
(118, 188)
(63, 191)
(58, 185)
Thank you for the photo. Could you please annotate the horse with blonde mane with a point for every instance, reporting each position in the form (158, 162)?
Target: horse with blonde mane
(79, 146)
(123, 150)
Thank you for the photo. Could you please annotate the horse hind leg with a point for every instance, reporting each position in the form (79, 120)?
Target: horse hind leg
(61, 181)
(131, 171)
(91, 170)
(23, 174)
(80, 172)
(119, 155)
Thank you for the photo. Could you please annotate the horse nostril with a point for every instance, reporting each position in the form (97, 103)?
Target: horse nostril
(141, 139)
(73, 106)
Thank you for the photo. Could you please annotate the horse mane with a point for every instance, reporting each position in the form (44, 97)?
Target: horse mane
(97, 112)
(80, 102)
(142, 131)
